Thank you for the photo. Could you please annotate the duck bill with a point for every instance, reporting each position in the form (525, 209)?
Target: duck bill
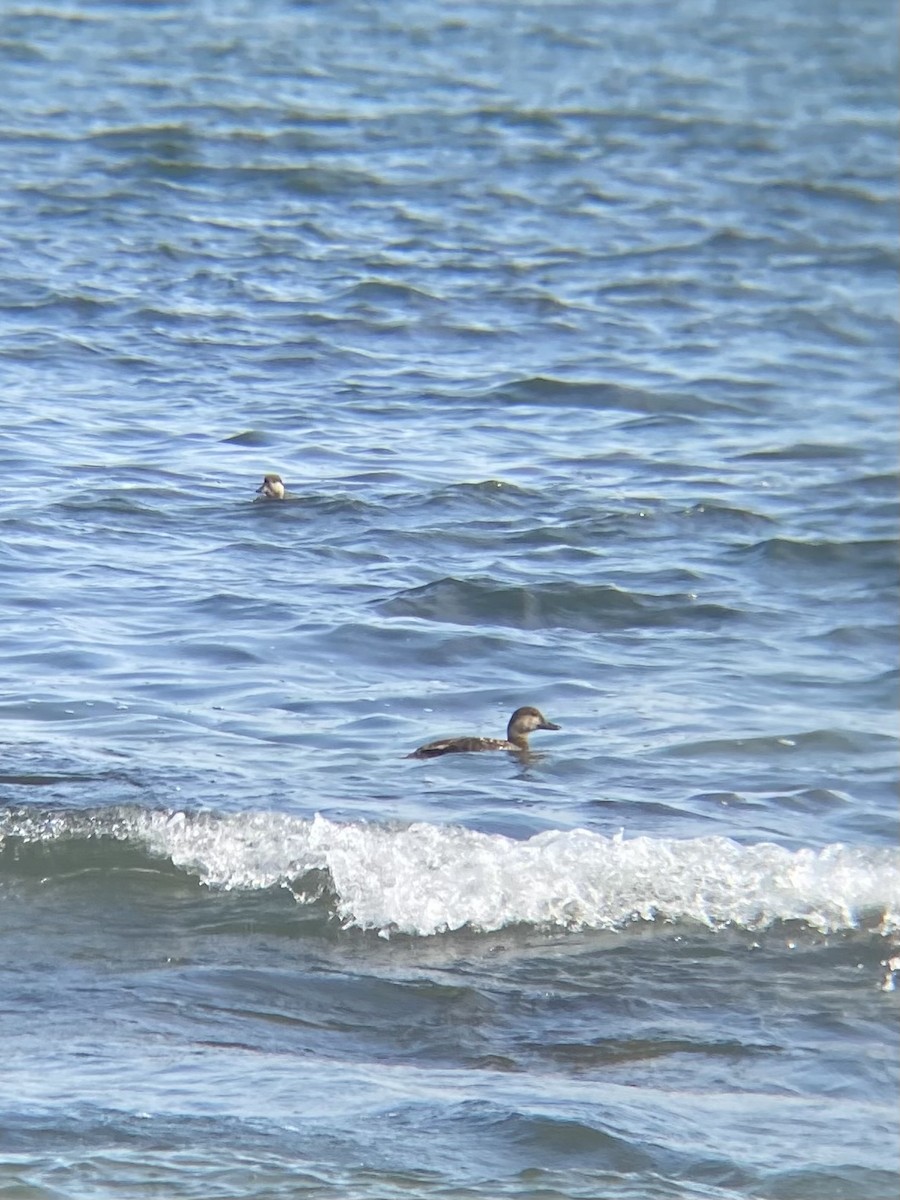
(550, 725)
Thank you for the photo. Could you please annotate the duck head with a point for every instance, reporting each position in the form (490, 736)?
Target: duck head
(526, 720)
(271, 488)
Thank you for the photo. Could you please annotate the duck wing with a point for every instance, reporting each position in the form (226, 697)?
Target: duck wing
(459, 745)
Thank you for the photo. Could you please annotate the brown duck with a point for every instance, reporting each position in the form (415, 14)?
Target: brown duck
(523, 722)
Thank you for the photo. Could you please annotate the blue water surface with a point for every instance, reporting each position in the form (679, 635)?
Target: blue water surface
(572, 329)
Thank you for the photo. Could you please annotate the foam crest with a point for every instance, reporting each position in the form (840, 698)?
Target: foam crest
(424, 879)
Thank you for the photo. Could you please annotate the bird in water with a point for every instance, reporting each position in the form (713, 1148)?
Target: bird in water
(271, 488)
(523, 722)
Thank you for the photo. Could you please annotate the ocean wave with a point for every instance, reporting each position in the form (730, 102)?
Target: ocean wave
(592, 607)
(601, 395)
(850, 556)
(422, 879)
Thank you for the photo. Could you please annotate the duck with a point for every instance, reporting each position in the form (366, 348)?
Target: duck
(523, 722)
(271, 488)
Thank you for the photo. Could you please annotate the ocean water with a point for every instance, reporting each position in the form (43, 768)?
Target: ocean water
(572, 328)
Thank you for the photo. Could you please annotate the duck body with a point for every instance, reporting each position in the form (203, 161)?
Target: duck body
(523, 722)
(271, 488)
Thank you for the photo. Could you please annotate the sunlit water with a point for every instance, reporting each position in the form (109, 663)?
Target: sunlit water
(572, 329)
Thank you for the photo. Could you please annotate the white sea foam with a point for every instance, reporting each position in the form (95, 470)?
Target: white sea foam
(426, 879)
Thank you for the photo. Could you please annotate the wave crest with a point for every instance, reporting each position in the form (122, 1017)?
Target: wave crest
(423, 879)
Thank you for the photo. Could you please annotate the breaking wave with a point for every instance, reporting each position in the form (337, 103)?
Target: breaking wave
(423, 879)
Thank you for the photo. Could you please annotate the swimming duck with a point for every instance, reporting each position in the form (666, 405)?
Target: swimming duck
(523, 722)
(271, 488)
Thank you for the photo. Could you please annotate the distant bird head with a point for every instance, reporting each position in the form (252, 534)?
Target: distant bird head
(271, 488)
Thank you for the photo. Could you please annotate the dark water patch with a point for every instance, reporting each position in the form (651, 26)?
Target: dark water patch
(881, 486)
(292, 360)
(648, 292)
(590, 1057)
(559, 548)
(294, 180)
(801, 452)
(234, 607)
(814, 800)
(745, 390)
(549, 606)
(548, 1138)
(818, 742)
(728, 239)
(502, 1137)
(91, 663)
(78, 857)
(384, 477)
(559, 393)
(392, 293)
(401, 652)
(831, 195)
(843, 1180)
(78, 199)
(490, 489)
(472, 499)
(855, 560)
(338, 503)
(716, 514)
(164, 140)
(829, 330)
(16, 50)
(251, 437)
(882, 688)
(49, 304)
(218, 652)
(107, 506)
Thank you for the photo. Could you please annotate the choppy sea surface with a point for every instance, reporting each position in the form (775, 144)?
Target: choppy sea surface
(572, 329)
